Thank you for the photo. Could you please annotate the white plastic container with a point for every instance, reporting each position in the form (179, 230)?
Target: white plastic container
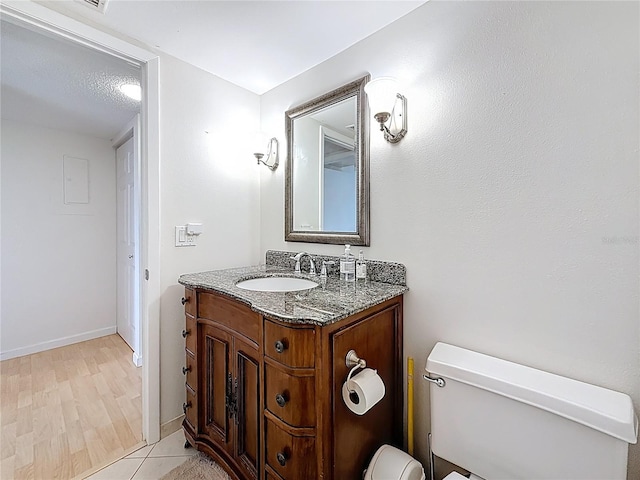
(347, 266)
(361, 269)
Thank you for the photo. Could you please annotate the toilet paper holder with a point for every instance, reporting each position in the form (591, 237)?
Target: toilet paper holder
(354, 363)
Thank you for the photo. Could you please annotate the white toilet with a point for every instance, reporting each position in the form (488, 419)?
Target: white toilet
(504, 421)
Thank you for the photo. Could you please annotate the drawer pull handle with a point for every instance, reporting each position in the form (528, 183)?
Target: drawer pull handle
(185, 333)
(186, 369)
(184, 300)
(280, 346)
(282, 459)
(281, 400)
(185, 406)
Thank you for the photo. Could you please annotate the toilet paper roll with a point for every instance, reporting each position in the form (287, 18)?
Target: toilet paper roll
(363, 391)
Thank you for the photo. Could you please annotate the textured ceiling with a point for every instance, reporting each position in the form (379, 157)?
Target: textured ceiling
(56, 83)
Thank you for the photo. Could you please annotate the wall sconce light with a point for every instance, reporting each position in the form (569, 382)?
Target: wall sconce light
(271, 160)
(388, 106)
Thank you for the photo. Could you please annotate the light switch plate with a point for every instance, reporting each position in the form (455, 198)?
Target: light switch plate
(182, 239)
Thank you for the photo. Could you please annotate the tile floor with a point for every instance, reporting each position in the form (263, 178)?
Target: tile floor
(150, 462)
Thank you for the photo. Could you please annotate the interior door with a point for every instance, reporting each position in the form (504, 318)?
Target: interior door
(126, 243)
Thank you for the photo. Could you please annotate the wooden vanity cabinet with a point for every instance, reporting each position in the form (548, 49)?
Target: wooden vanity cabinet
(269, 393)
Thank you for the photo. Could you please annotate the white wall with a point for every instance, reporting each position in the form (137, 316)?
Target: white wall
(58, 261)
(210, 178)
(513, 200)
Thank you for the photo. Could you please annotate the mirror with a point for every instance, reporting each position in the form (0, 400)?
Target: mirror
(327, 168)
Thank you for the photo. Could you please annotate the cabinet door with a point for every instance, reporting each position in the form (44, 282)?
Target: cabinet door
(248, 418)
(214, 350)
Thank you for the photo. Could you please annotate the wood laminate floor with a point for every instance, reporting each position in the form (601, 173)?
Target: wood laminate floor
(68, 410)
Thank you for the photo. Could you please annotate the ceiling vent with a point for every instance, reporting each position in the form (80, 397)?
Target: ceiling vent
(99, 5)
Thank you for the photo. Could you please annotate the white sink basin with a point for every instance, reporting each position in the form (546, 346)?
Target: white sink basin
(276, 284)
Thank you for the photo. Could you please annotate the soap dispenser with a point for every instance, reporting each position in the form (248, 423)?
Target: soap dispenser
(361, 269)
(347, 266)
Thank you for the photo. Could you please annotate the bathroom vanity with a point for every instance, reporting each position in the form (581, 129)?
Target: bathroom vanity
(264, 372)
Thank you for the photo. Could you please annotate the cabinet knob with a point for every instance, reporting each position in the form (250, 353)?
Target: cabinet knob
(281, 400)
(280, 346)
(282, 458)
(186, 369)
(185, 333)
(184, 300)
(185, 406)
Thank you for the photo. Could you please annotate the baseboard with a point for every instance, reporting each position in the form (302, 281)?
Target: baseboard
(137, 359)
(58, 342)
(171, 426)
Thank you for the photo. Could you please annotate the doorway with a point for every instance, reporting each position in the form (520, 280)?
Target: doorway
(39, 17)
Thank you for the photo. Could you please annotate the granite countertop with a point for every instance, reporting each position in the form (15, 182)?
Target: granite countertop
(328, 303)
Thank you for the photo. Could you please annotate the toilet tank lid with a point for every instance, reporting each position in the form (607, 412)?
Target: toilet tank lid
(602, 409)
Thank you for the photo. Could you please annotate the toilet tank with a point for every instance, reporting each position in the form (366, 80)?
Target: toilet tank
(502, 420)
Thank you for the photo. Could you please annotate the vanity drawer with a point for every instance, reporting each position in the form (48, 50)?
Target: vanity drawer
(190, 409)
(272, 476)
(190, 369)
(290, 346)
(190, 334)
(189, 301)
(234, 315)
(292, 457)
(291, 397)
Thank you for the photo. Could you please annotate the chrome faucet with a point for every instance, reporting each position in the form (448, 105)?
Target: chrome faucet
(298, 257)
